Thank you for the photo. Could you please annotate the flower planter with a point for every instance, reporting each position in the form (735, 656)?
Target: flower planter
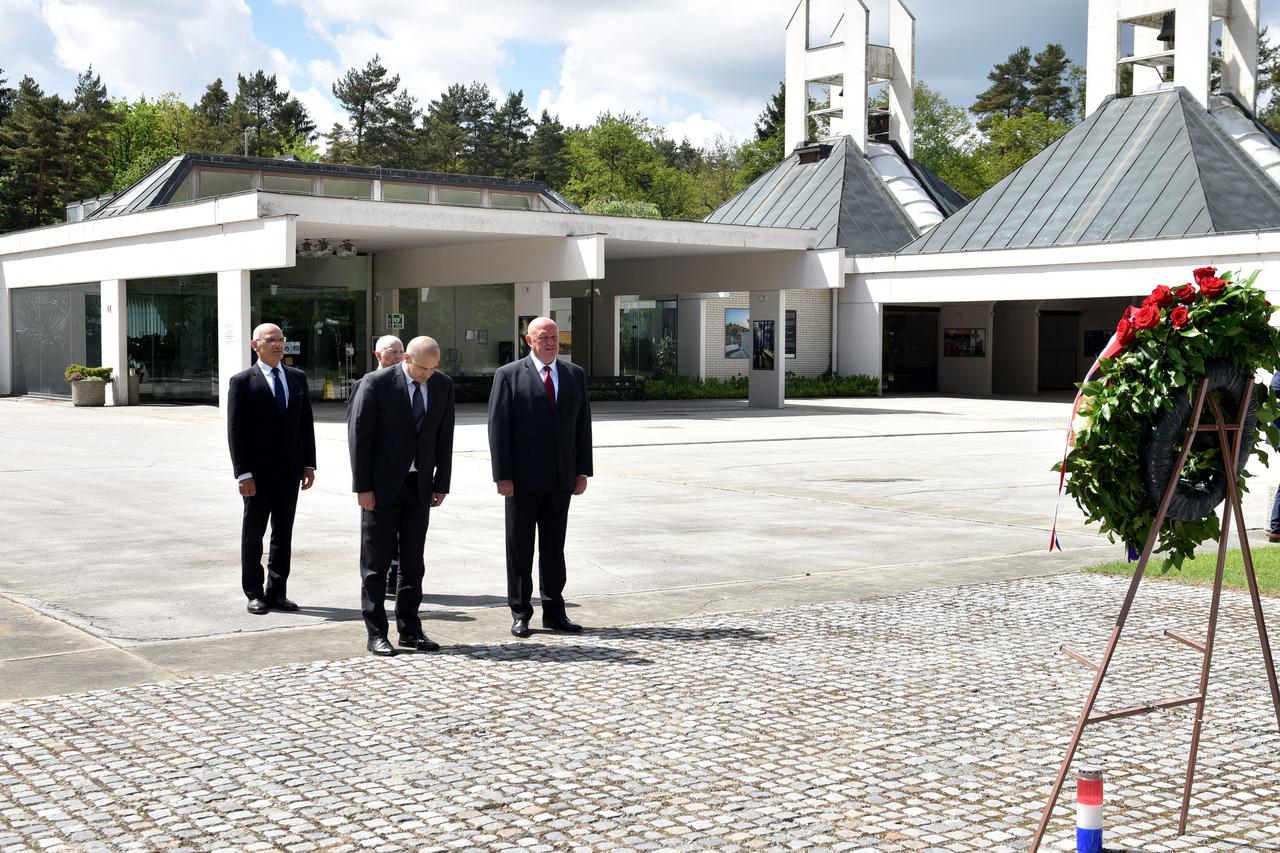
(88, 392)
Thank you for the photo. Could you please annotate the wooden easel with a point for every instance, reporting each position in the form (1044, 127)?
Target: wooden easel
(1230, 436)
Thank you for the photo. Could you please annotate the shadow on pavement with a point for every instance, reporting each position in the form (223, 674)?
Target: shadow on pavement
(566, 653)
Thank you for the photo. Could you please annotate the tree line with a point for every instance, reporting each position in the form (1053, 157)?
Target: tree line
(55, 150)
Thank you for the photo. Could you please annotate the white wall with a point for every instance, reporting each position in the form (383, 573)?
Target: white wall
(965, 375)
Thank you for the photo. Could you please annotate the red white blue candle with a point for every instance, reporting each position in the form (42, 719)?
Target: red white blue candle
(1089, 811)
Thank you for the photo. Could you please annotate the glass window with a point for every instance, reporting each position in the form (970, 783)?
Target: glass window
(346, 188)
(171, 327)
(216, 183)
(420, 193)
(475, 325)
(320, 304)
(286, 184)
(647, 334)
(52, 328)
(510, 201)
(470, 198)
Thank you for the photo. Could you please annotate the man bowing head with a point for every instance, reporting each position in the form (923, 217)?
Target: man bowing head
(540, 444)
(400, 434)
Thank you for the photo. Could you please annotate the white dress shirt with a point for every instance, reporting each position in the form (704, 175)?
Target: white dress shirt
(555, 373)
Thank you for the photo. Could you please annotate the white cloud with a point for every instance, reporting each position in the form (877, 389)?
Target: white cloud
(146, 48)
(701, 132)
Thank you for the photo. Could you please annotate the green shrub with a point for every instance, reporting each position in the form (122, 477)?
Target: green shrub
(79, 371)
(826, 385)
(666, 358)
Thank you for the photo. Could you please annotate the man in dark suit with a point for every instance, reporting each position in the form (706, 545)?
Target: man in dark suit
(540, 444)
(273, 449)
(389, 352)
(400, 434)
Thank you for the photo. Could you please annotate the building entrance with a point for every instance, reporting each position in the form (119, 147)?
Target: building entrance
(910, 349)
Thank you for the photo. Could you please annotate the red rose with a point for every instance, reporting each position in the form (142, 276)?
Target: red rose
(1161, 297)
(1179, 318)
(1186, 294)
(1124, 332)
(1211, 288)
(1129, 311)
(1148, 317)
(1204, 272)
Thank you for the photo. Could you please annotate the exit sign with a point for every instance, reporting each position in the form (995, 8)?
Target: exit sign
(395, 321)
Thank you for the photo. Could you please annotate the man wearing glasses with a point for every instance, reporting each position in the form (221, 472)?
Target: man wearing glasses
(273, 449)
(540, 445)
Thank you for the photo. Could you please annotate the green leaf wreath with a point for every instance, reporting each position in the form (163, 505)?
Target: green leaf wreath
(1164, 347)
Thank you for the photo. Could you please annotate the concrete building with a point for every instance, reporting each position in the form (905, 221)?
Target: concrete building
(849, 255)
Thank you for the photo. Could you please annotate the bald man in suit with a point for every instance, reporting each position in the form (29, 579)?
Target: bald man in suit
(271, 434)
(400, 434)
(540, 446)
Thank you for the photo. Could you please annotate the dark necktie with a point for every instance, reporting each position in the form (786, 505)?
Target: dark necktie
(278, 388)
(419, 406)
(551, 386)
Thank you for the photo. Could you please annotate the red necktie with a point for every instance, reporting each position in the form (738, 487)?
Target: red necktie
(551, 386)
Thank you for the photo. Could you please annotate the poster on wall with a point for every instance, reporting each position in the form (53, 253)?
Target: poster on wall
(964, 343)
(736, 342)
(762, 345)
(523, 327)
(791, 334)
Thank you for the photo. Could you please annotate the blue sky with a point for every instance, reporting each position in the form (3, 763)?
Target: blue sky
(684, 64)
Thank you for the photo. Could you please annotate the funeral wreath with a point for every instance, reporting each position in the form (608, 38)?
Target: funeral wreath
(1133, 410)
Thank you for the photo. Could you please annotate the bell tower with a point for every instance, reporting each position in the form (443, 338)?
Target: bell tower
(1173, 42)
(830, 64)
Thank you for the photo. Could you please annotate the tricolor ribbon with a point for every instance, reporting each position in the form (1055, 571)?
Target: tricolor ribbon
(1113, 346)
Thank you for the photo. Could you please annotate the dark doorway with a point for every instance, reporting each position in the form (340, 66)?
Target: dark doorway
(1059, 350)
(910, 349)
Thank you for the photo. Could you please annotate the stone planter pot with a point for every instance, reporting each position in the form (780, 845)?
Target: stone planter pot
(88, 392)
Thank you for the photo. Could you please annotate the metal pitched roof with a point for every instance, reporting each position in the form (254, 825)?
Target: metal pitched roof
(841, 197)
(1151, 165)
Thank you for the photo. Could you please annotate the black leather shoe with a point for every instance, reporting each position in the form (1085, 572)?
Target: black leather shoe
(520, 627)
(281, 603)
(560, 623)
(419, 642)
(380, 647)
(257, 606)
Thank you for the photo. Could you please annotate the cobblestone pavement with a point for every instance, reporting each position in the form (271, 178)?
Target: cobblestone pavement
(927, 721)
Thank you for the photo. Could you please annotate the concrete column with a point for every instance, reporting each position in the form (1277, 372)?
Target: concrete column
(1193, 42)
(861, 339)
(234, 332)
(605, 335)
(902, 113)
(533, 299)
(766, 389)
(691, 333)
(1240, 51)
(796, 108)
(115, 340)
(1103, 52)
(857, 22)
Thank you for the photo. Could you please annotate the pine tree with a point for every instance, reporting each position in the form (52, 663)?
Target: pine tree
(511, 127)
(31, 149)
(544, 156)
(258, 101)
(1048, 79)
(396, 141)
(1009, 94)
(6, 98)
(86, 133)
(478, 114)
(444, 141)
(213, 132)
(293, 122)
(366, 96)
(772, 121)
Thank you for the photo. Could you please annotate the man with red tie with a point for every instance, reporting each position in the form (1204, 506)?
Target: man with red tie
(273, 449)
(540, 444)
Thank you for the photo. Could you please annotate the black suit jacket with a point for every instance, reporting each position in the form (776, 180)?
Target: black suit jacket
(530, 445)
(382, 440)
(274, 447)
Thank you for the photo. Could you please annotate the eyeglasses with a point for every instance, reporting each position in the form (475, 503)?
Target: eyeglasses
(272, 341)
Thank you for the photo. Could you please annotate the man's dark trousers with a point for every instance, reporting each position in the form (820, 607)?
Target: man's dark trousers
(276, 502)
(404, 521)
(548, 513)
